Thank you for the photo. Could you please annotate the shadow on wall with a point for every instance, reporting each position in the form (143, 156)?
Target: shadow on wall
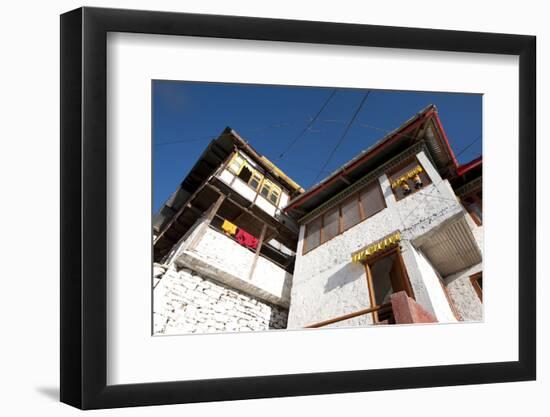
(278, 319)
(347, 273)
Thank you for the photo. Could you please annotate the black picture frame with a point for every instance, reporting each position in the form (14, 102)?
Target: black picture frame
(84, 207)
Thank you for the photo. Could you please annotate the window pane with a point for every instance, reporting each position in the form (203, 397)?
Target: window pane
(236, 164)
(274, 197)
(331, 224)
(265, 190)
(350, 213)
(255, 180)
(313, 234)
(372, 199)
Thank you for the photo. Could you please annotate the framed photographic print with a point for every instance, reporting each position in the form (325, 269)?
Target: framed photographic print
(258, 208)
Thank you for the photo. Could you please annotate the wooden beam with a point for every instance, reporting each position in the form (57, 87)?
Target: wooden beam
(257, 254)
(369, 310)
(209, 216)
(242, 207)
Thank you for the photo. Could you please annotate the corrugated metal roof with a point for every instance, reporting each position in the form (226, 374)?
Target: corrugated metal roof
(452, 248)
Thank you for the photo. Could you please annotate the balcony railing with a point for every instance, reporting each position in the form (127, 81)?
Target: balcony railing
(383, 307)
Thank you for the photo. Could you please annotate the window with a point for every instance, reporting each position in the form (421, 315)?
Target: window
(477, 283)
(358, 207)
(236, 163)
(372, 200)
(331, 224)
(351, 214)
(473, 204)
(245, 174)
(270, 191)
(313, 234)
(386, 275)
(274, 196)
(408, 179)
(255, 180)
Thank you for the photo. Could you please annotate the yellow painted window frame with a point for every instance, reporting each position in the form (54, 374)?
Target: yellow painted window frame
(242, 163)
(271, 189)
(255, 174)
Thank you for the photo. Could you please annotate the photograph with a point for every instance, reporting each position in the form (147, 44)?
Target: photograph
(300, 207)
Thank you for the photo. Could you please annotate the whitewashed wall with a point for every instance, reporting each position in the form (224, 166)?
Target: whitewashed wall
(186, 302)
(326, 284)
(224, 260)
(427, 287)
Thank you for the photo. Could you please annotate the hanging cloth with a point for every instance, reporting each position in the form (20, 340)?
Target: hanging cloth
(229, 228)
(246, 239)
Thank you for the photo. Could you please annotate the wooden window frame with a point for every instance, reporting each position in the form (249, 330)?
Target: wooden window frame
(263, 180)
(235, 156)
(255, 173)
(475, 283)
(271, 187)
(341, 229)
(370, 283)
(474, 196)
(399, 167)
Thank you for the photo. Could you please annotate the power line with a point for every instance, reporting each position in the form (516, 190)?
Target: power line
(468, 146)
(344, 134)
(308, 126)
(211, 137)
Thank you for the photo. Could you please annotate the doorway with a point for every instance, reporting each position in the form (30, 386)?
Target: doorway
(386, 274)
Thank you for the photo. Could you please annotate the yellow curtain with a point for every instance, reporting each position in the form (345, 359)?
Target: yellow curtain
(229, 227)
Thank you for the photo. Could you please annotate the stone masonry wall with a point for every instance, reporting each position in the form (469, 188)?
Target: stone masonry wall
(185, 302)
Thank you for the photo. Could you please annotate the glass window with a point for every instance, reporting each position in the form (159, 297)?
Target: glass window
(236, 164)
(313, 234)
(274, 196)
(270, 191)
(372, 200)
(255, 180)
(265, 189)
(331, 224)
(350, 213)
(408, 179)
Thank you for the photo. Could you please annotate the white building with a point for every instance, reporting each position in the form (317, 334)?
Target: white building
(394, 236)
(224, 250)
(392, 220)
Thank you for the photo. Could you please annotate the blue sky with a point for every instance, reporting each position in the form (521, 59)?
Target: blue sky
(187, 115)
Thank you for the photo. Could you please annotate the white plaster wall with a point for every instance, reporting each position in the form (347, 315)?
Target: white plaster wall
(424, 275)
(426, 209)
(283, 201)
(265, 205)
(460, 289)
(224, 260)
(326, 284)
(244, 189)
(463, 294)
(226, 176)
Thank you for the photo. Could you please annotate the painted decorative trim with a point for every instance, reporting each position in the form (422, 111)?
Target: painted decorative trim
(376, 247)
(471, 186)
(366, 180)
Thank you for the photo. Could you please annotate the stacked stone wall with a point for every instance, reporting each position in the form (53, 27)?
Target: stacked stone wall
(186, 302)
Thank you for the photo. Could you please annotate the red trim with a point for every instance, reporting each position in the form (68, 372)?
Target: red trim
(444, 135)
(462, 169)
(422, 118)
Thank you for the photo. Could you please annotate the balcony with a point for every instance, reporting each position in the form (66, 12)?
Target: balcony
(221, 258)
